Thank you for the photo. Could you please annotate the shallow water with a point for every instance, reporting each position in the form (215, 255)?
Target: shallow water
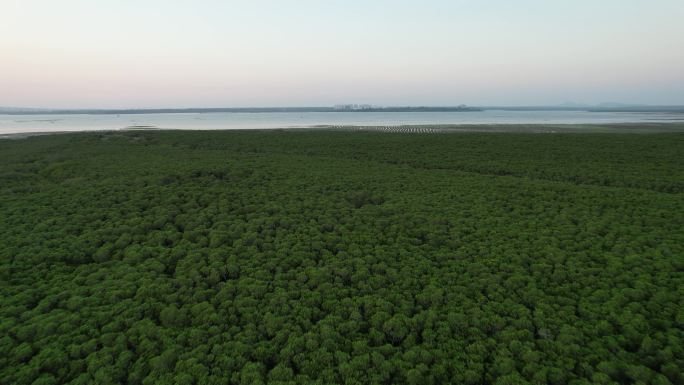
(10, 124)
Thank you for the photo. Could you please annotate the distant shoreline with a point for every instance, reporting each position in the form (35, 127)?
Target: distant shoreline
(232, 110)
(40, 111)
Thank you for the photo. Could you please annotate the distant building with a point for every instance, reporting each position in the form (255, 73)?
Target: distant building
(352, 107)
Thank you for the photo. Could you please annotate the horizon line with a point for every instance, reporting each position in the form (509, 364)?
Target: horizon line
(360, 106)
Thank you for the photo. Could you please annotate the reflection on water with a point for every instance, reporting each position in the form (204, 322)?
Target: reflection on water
(213, 121)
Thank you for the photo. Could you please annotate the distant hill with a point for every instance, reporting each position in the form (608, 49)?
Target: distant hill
(617, 107)
(19, 109)
(571, 104)
(620, 105)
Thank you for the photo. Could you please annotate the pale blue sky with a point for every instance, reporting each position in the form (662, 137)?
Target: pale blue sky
(143, 53)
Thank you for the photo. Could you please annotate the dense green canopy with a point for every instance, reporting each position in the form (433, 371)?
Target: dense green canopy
(288, 257)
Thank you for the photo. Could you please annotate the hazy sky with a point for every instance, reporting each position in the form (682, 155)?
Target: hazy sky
(166, 53)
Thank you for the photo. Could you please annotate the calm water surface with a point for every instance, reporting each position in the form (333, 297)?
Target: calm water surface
(10, 124)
